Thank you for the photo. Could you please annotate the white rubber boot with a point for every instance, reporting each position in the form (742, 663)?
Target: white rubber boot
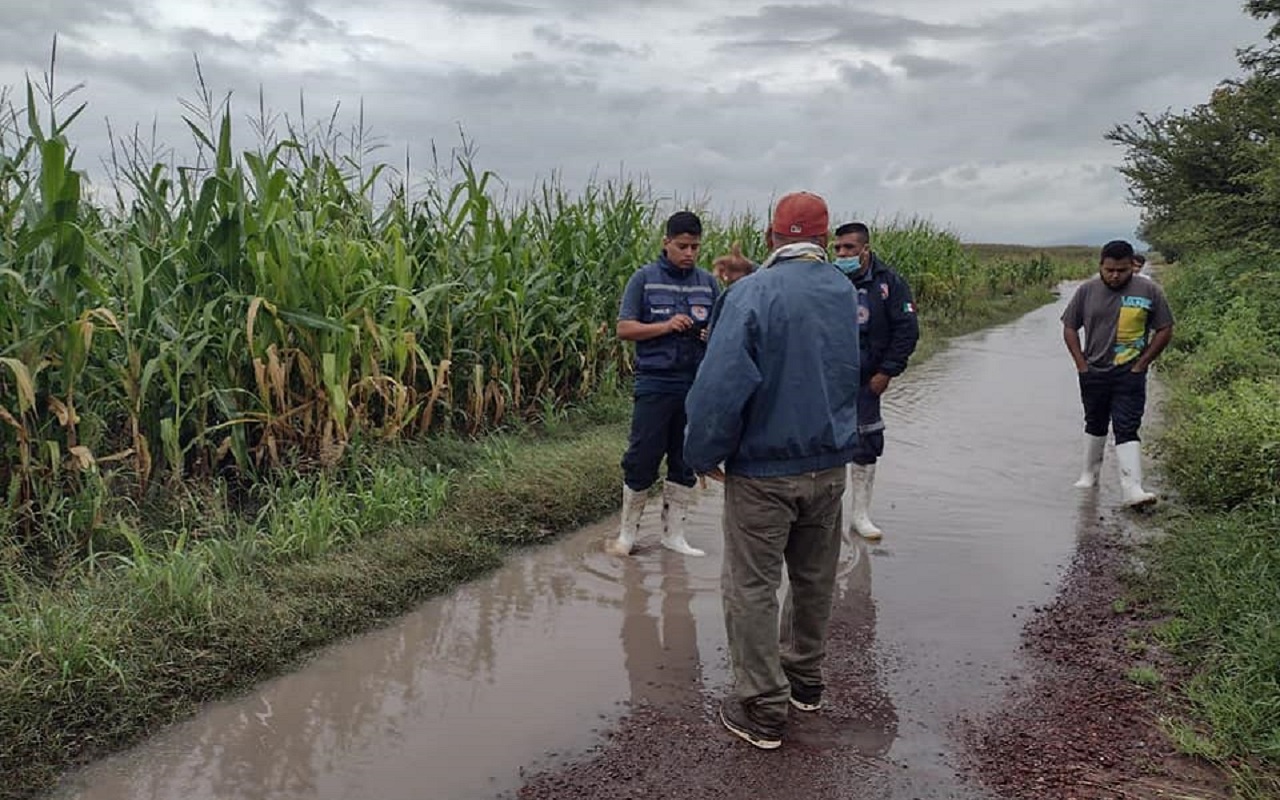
(1093, 446)
(1129, 457)
(632, 508)
(676, 500)
(861, 480)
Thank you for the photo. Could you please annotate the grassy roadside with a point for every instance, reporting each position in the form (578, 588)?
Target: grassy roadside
(1214, 577)
(241, 589)
(1205, 178)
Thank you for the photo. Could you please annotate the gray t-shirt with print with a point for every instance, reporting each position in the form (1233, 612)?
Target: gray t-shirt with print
(1117, 322)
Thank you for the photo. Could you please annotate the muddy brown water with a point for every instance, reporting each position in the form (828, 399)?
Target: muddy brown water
(531, 667)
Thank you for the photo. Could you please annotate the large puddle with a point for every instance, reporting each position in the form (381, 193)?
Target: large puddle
(529, 667)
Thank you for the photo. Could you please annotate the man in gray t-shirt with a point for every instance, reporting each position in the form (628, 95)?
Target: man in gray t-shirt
(1127, 323)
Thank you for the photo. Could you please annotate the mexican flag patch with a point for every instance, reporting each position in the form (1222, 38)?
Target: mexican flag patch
(909, 307)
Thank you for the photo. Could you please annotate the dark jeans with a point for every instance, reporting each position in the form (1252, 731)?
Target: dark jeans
(1114, 397)
(657, 430)
(870, 427)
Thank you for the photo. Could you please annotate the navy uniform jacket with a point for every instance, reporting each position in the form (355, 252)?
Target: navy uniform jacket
(887, 324)
(657, 292)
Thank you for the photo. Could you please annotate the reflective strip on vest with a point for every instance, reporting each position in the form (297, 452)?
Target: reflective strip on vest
(671, 287)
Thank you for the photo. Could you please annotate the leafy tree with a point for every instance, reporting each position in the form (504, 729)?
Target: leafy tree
(1210, 176)
(1264, 60)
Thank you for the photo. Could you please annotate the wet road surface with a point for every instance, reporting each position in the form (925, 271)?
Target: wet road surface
(536, 680)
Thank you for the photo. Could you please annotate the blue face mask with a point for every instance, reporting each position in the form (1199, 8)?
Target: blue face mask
(848, 265)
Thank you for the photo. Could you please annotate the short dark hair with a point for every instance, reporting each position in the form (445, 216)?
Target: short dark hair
(1116, 250)
(855, 227)
(683, 222)
(1139, 258)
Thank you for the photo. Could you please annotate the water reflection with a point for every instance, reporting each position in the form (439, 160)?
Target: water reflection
(542, 640)
(435, 692)
(859, 713)
(661, 653)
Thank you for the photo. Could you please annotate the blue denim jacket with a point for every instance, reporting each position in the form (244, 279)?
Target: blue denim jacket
(777, 391)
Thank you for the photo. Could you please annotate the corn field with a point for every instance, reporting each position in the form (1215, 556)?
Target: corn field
(257, 309)
(946, 276)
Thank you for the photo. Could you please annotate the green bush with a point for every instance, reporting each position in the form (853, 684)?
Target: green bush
(1223, 444)
(1232, 350)
(1223, 448)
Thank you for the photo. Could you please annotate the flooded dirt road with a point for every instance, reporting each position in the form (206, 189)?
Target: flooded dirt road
(571, 673)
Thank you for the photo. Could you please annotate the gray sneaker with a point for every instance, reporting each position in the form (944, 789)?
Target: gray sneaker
(739, 722)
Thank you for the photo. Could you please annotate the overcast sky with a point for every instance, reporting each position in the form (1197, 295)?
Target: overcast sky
(986, 116)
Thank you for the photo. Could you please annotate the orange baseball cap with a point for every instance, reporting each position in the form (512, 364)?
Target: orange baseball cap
(801, 214)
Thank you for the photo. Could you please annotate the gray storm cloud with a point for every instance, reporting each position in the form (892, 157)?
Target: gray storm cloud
(985, 120)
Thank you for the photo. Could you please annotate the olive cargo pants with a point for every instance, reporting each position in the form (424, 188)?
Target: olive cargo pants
(772, 523)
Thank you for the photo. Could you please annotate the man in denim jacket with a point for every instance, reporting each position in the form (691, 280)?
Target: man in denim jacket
(775, 401)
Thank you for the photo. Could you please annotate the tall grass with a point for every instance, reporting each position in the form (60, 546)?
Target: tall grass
(259, 310)
(255, 309)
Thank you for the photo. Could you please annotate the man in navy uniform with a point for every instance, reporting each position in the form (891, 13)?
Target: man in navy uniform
(665, 310)
(888, 332)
